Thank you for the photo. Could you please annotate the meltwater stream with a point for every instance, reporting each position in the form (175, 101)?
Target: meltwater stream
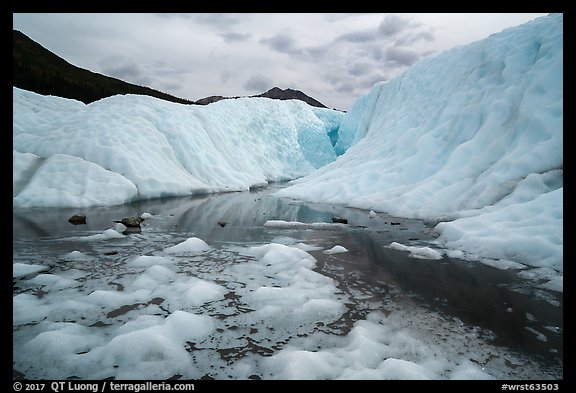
(253, 298)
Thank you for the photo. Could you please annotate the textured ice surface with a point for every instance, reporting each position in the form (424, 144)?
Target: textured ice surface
(471, 139)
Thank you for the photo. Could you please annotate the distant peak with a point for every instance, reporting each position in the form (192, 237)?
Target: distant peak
(290, 94)
(275, 93)
(274, 90)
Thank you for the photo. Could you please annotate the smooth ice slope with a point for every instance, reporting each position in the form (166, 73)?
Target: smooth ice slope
(124, 148)
(471, 138)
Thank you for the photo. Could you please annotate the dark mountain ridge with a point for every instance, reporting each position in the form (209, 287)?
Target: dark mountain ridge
(274, 93)
(36, 69)
(290, 94)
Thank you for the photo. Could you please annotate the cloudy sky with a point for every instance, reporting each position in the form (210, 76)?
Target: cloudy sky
(334, 58)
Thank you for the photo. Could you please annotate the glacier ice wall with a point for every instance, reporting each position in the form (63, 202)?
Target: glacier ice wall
(471, 139)
(124, 148)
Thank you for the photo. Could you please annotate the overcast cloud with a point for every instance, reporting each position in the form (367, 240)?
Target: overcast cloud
(334, 58)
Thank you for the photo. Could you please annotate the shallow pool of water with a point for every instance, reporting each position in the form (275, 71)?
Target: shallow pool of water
(507, 326)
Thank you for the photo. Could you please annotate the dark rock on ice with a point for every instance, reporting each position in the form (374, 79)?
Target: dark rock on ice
(338, 220)
(131, 222)
(77, 219)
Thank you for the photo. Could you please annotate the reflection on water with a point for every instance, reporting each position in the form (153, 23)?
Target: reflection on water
(522, 317)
